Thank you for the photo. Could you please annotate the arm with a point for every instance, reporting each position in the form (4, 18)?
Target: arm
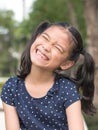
(74, 116)
(11, 117)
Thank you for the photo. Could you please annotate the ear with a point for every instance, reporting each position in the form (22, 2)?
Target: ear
(67, 64)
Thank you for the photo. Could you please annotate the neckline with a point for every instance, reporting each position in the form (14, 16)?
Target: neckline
(50, 92)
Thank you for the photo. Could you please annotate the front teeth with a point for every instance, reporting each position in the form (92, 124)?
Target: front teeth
(41, 55)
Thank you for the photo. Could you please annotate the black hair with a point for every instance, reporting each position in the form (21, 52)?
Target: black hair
(84, 77)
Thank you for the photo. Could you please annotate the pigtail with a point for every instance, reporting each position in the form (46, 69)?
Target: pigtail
(84, 77)
(85, 81)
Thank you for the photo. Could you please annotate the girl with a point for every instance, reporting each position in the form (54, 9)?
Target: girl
(40, 98)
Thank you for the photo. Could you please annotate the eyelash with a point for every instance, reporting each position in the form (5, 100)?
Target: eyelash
(45, 37)
(56, 46)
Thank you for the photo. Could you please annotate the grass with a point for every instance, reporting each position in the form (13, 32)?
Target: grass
(1, 84)
(2, 81)
(92, 121)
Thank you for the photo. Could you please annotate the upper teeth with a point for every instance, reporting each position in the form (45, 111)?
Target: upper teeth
(42, 55)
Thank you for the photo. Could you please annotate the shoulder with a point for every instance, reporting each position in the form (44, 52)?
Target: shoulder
(67, 87)
(9, 90)
(11, 83)
(66, 83)
(12, 80)
(68, 91)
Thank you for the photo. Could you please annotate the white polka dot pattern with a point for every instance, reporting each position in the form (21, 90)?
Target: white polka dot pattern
(46, 113)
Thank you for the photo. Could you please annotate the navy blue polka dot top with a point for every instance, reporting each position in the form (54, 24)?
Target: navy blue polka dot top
(45, 113)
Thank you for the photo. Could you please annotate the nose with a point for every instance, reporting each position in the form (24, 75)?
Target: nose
(47, 47)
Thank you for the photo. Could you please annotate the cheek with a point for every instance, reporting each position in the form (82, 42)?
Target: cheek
(36, 43)
(33, 46)
(57, 60)
(59, 56)
(31, 49)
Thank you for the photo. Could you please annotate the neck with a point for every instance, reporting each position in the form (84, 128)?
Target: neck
(40, 76)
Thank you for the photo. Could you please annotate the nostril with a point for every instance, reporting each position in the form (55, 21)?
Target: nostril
(46, 47)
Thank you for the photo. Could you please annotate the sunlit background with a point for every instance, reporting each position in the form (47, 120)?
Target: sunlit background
(20, 8)
(18, 19)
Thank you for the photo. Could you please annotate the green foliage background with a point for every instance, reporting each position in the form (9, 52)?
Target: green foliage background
(18, 34)
(54, 11)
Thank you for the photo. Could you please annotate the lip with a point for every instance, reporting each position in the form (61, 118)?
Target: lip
(41, 54)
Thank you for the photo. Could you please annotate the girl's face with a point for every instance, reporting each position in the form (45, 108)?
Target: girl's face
(51, 49)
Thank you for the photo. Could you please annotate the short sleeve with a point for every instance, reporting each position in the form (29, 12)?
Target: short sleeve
(7, 94)
(72, 94)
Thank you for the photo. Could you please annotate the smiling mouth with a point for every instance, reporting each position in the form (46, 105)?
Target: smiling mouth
(41, 55)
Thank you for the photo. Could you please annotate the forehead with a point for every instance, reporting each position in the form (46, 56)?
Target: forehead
(58, 32)
(60, 35)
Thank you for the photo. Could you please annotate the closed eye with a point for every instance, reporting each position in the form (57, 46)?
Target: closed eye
(59, 48)
(45, 37)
